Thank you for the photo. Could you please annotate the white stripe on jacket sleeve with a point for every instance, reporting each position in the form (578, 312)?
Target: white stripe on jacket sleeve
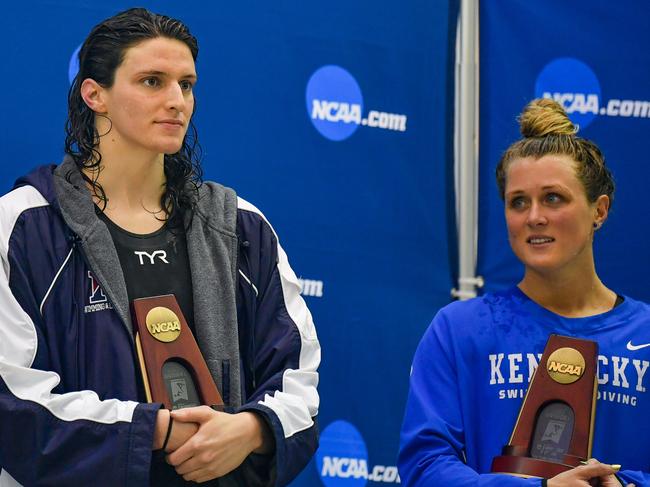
(7, 480)
(298, 401)
(18, 341)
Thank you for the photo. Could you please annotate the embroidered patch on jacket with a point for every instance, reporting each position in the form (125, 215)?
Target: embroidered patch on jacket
(97, 300)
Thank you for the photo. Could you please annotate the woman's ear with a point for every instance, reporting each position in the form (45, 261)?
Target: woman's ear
(602, 209)
(93, 94)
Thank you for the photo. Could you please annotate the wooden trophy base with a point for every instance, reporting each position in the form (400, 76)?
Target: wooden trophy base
(533, 467)
(173, 369)
(554, 429)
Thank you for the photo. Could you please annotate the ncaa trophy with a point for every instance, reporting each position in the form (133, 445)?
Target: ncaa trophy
(554, 430)
(173, 369)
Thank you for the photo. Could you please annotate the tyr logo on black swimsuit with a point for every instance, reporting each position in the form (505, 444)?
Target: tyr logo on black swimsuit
(161, 254)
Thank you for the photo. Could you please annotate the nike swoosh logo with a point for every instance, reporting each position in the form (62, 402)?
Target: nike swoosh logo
(636, 347)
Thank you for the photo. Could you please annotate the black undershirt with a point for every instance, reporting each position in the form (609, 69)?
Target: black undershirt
(619, 300)
(154, 264)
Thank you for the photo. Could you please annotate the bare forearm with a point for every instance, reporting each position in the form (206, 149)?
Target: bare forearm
(180, 433)
(160, 428)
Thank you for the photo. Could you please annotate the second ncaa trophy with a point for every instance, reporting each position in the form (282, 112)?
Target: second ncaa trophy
(554, 430)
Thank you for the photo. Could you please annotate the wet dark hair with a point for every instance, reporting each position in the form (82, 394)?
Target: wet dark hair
(546, 129)
(100, 55)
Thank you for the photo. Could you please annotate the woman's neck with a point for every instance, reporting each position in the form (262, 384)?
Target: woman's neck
(133, 185)
(570, 294)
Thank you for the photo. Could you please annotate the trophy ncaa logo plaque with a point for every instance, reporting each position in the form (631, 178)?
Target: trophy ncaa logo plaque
(554, 430)
(173, 369)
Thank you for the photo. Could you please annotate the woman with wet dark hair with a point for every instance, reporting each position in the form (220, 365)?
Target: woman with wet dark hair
(126, 216)
(473, 365)
(99, 57)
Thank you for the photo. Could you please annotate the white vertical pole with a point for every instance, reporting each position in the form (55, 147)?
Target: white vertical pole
(466, 148)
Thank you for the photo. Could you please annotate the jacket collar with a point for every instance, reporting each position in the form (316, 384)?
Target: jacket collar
(78, 211)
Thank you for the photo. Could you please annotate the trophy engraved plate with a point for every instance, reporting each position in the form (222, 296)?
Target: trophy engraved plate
(554, 430)
(180, 385)
(174, 372)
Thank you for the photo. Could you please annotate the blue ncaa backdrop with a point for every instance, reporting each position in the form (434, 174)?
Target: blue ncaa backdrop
(592, 57)
(335, 119)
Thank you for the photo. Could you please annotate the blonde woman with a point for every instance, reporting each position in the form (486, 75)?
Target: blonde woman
(473, 364)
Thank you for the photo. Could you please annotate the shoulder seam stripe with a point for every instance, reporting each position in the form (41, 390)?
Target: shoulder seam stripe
(298, 385)
(40, 308)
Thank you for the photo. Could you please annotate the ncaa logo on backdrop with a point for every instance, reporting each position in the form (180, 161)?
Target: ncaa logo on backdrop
(335, 105)
(342, 459)
(574, 85)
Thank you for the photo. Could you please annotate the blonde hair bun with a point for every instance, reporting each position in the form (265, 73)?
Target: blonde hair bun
(542, 117)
